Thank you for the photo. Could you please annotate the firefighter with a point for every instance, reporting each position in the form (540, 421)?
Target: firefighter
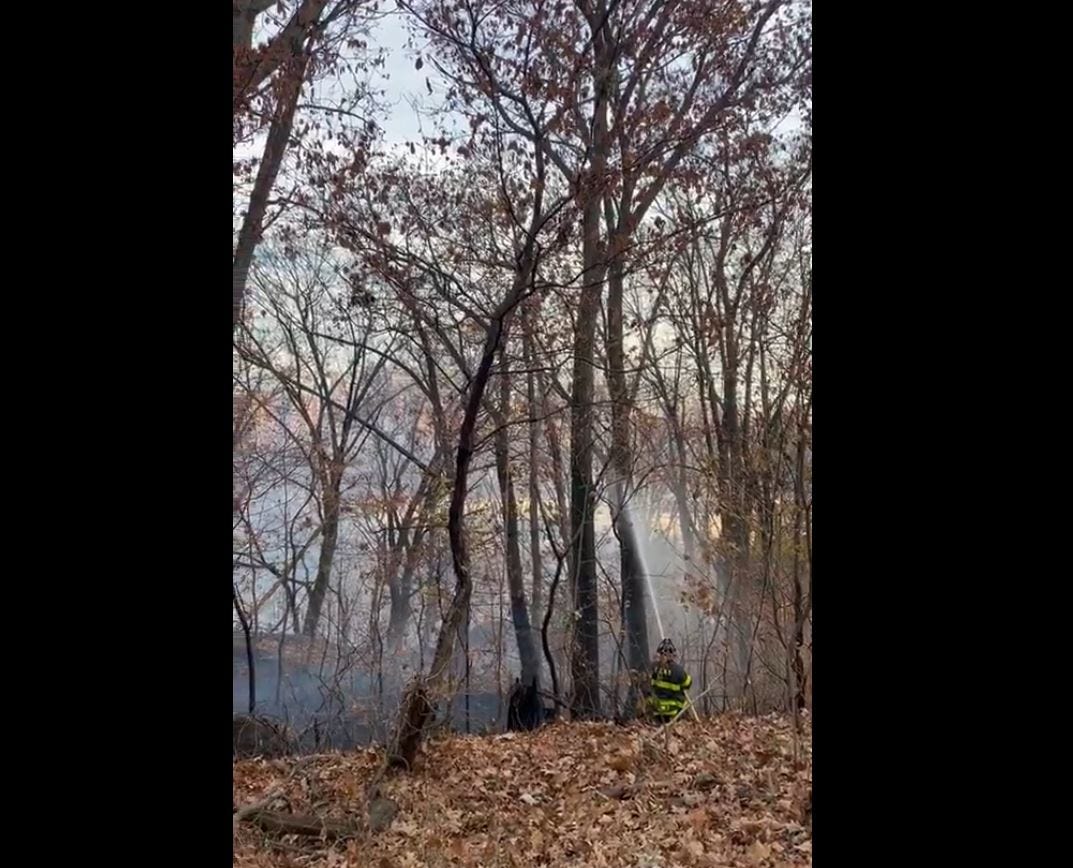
(669, 684)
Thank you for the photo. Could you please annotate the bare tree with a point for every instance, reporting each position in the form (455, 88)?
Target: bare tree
(309, 37)
(326, 388)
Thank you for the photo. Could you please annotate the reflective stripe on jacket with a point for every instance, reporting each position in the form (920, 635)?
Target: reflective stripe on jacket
(669, 684)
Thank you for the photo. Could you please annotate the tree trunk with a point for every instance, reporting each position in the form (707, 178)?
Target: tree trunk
(799, 609)
(275, 148)
(544, 628)
(585, 659)
(416, 710)
(328, 543)
(243, 15)
(534, 465)
(519, 608)
(735, 531)
(250, 67)
(411, 536)
(558, 475)
(249, 647)
(634, 610)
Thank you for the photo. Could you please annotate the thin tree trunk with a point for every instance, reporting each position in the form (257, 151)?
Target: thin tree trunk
(411, 536)
(544, 629)
(558, 475)
(468, 667)
(328, 543)
(249, 646)
(417, 709)
(519, 608)
(534, 465)
(799, 610)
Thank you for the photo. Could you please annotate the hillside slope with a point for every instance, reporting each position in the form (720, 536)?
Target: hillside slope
(725, 792)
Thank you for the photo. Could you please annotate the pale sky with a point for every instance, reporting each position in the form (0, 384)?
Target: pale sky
(405, 83)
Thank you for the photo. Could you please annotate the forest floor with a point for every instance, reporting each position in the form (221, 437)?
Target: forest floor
(729, 791)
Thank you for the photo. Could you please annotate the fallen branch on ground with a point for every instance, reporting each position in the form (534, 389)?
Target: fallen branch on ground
(273, 794)
(298, 824)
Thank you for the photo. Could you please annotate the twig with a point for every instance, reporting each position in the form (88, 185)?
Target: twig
(689, 704)
(248, 811)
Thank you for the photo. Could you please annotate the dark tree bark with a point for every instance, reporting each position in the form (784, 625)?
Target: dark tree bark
(634, 608)
(519, 608)
(249, 646)
(585, 660)
(417, 707)
(275, 148)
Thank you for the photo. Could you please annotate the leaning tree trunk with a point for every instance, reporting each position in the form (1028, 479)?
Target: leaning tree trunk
(417, 708)
(519, 608)
(275, 148)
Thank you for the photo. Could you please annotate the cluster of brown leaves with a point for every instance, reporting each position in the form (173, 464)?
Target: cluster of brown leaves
(725, 792)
